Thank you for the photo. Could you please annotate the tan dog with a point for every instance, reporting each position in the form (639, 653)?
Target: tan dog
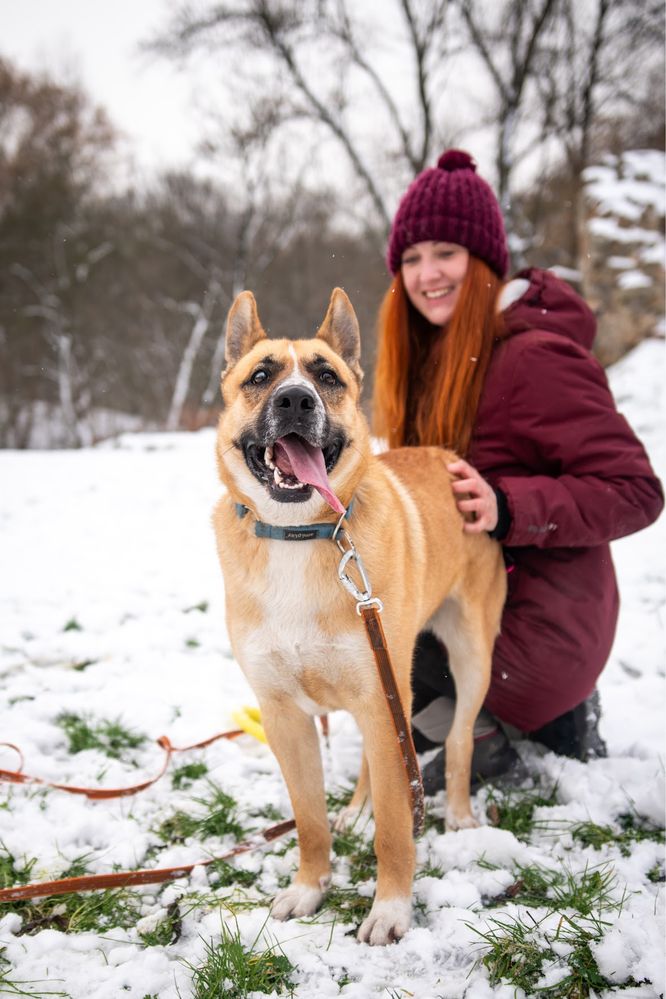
(292, 443)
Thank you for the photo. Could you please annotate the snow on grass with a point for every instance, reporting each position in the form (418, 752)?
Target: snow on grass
(112, 629)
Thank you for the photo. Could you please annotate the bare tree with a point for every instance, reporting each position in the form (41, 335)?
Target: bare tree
(601, 65)
(508, 39)
(54, 146)
(600, 59)
(50, 302)
(268, 219)
(324, 53)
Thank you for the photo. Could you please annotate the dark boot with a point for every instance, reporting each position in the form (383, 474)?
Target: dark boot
(494, 761)
(576, 732)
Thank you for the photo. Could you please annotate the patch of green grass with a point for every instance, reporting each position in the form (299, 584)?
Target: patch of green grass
(109, 737)
(219, 819)
(359, 853)
(270, 813)
(166, 931)
(185, 776)
(347, 904)
(201, 606)
(196, 901)
(513, 809)
(513, 954)
(430, 871)
(78, 912)
(192, 643)
(657, 874)
(518, 954)
(628, 830)
(223, 875)
(72, 625)
(83, 664)
(177, 828)
(233, 971)
(338, 798)
(10, 874)
(589, 892)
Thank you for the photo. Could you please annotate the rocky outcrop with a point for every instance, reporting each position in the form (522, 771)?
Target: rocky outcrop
(623, 249)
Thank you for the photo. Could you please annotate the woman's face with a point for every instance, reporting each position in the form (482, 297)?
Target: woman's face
(432, 274)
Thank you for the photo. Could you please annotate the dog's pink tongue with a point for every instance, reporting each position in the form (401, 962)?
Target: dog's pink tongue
(294, 455)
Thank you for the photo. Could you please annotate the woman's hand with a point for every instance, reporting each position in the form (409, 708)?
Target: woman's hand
(473, 496)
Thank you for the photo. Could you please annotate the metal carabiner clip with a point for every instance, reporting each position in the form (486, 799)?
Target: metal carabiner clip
(362, 597)
(351, 555)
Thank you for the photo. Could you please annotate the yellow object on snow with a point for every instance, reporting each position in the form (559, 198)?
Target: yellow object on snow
(249, 719)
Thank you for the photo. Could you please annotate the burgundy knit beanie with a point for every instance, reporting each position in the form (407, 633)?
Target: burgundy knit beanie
(452, 204)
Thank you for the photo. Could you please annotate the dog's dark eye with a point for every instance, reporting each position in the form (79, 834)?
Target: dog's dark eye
(259, 377)
(328, 377)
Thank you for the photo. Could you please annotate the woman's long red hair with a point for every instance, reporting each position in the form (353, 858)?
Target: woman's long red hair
(428, 381)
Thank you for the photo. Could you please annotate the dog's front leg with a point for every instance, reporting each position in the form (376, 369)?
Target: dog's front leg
(293, 738)
(390, 915)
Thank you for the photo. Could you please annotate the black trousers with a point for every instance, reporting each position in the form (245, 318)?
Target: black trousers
(572, 734)
(430, 675)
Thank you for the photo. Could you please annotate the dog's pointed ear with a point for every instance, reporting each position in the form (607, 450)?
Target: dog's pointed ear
(340, 330)
(243, 328)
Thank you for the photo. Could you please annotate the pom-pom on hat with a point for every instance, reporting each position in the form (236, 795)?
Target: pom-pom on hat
(450, 203)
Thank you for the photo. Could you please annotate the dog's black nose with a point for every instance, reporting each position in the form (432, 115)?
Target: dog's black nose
(298, 398)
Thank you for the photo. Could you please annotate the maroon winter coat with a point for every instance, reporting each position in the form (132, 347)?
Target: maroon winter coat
(575, 477)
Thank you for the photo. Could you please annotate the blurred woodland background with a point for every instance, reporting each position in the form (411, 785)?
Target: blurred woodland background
(113, 295)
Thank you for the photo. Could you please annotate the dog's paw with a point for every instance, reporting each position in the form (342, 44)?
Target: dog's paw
(349, 816)
(459, 820)
(388, 921)
(297, 900)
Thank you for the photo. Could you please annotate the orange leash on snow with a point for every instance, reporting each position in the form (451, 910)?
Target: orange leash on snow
(99, 793)
(124, 879)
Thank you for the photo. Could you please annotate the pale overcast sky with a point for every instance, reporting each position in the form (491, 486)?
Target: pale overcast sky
(95, 41)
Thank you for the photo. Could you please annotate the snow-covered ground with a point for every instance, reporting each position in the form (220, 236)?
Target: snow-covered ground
(115, 541)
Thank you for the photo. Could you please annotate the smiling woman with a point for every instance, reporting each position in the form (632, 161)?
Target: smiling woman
(505, 377)
(433, 275)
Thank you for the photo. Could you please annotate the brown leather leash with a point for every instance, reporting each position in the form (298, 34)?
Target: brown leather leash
(369, 608)
(377, 638)
(125, 879)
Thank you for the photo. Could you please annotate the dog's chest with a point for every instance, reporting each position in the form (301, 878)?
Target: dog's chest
(292, 651)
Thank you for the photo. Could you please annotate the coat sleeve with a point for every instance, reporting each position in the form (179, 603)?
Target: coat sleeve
(583, 477)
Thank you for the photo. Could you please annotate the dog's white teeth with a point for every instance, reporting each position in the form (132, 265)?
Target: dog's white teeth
(281, 482)
(268, 457)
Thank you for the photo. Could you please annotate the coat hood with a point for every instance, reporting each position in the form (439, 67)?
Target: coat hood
(546, 302)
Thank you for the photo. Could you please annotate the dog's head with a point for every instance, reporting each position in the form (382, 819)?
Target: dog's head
(291, 430)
